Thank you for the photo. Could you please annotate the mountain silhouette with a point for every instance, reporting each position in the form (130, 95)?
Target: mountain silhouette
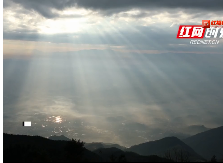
(62, 137)
(207, 143)
(90, 146)
(116, 155)
(23, 148)
(96, 145)
(193, 129)
(163, 146)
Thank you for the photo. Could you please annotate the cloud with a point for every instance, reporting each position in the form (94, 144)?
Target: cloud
(44, 8)
(172, 24)
(129, 4)
(139, 27)
(106, 7)
(136, 40)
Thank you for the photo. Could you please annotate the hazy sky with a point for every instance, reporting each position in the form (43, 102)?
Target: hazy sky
(110, 71)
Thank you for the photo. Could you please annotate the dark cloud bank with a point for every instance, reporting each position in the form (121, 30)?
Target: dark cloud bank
(110, 7)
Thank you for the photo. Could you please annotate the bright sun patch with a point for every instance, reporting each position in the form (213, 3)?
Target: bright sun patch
(57, 119)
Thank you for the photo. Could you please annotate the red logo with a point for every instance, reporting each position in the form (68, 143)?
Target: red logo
(190, 31)
(216, 22)
(206, 23)
(213, 23)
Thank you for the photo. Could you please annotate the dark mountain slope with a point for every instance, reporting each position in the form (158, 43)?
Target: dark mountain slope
(20, 148)
(164, 146)
(96, 145)
(207, 143)
(62, 137)
(116, 155)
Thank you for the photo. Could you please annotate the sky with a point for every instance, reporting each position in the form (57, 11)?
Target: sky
(109, 71)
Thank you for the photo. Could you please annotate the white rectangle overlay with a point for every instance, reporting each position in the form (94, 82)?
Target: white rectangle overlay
(27, 123)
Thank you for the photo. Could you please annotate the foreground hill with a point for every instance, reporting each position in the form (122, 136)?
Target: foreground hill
(168, 147)
(208, 143)
(116, 155)
(22, 148)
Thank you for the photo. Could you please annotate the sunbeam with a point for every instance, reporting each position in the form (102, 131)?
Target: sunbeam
(109, 72)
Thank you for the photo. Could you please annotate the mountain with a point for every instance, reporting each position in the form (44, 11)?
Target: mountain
(207, 143)
(193, 129)
(169, 147)
(96, 145)
(62, 137)
(23, 148)
(116, 155)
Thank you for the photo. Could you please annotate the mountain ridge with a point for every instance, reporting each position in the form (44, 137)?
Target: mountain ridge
(37, 148)
(162, 146)
(199, 147)
(207, 143)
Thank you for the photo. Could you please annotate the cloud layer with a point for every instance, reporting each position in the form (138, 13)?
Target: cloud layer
(111, 7)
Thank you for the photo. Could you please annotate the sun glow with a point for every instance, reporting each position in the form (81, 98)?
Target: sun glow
(57, 119)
